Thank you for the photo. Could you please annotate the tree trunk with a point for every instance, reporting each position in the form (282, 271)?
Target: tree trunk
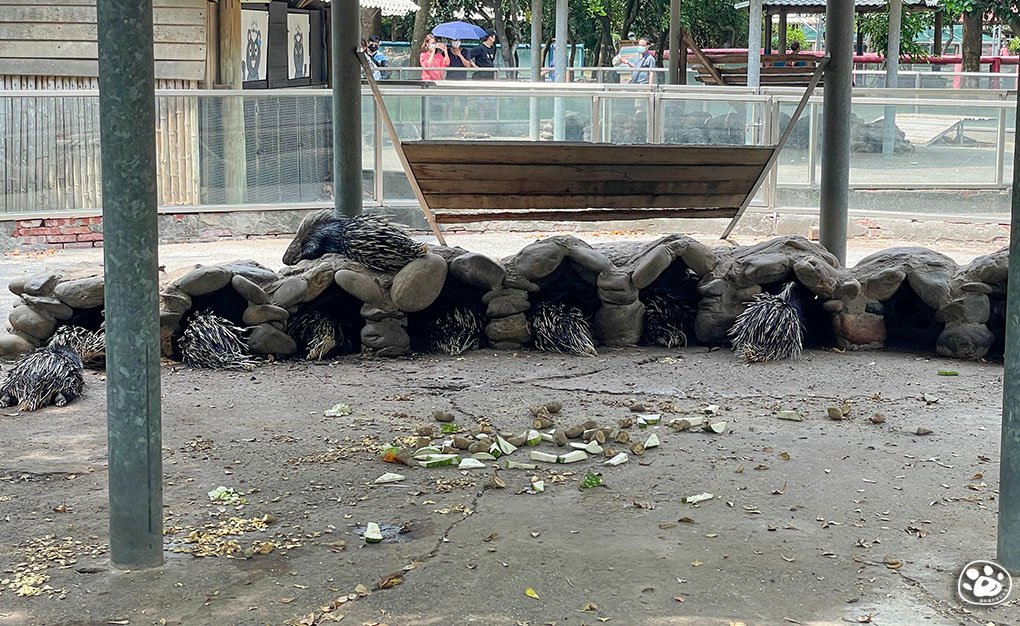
(972, 46)
(606, 43)
(629, 15)
(371, 22)
(422, 19)
(507, 44)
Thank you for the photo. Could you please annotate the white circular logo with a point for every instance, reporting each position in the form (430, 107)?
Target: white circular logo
(984, 583)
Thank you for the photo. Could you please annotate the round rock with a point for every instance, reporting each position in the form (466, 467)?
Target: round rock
(265, 339)
(249, 290)
(290, 291)
(27, 320)
(261, 313)
(965, 341)
(51, 306)
(417, 285)
(39, 285)
(512, 329)
(84, 293)
(14, 346)
(619, 325)
(539, 259)
(204, 280)
(361, 286)
(477, 270)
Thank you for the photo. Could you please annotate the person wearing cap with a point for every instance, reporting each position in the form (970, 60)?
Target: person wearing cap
(484, 56)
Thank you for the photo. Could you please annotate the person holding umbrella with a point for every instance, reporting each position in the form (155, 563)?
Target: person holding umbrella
(484, 56)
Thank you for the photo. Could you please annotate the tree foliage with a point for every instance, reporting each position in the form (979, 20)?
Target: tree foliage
(875, 27)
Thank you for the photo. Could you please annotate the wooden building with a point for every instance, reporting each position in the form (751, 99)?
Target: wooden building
(49, 143)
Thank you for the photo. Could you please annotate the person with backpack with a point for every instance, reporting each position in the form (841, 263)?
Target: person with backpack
(379, 59)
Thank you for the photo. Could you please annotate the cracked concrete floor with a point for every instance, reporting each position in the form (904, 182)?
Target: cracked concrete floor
(815, 522)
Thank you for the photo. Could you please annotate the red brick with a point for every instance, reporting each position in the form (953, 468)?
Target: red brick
(90, 237)
(29, 223)
(61, 238)
(44, 231)
(56, 221)
(92, 220)
(78, 244)
(75, 230)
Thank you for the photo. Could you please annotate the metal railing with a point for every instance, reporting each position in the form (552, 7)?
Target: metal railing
(957, 142)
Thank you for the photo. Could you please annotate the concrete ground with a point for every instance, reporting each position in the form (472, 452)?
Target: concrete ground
(814, 522)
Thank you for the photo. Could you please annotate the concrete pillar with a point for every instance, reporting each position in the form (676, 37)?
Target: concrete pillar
(783, 44)
(235, 160)
(347, 185)
(892, 69)
(768, 32)
(677, 54)
(127, 122)
(835, 182)
(1009, 463)
(754, 43)
(536, 66)
(560, 61)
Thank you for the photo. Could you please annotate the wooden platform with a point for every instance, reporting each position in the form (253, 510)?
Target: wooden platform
(777, 70)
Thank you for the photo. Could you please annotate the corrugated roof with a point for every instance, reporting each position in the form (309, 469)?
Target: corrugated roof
(867, 5)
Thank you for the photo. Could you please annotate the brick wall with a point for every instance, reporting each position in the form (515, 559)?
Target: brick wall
(63, 232)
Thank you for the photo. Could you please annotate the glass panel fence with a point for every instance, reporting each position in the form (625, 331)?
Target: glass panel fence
(268, 148)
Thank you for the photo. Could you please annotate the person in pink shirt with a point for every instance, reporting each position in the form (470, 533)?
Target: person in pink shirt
(433, 56)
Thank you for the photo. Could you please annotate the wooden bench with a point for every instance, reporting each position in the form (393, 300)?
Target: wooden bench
(476, 181)
(777, 70)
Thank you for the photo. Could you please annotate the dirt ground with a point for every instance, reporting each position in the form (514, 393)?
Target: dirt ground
(814, 522)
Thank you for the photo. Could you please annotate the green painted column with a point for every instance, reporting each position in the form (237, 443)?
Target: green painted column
(1009, 454)
(127, 122)
(346, 36)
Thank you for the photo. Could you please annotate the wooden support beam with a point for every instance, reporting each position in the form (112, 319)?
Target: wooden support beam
(235, 159)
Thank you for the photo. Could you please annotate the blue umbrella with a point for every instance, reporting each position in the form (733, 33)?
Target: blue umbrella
(458, 30)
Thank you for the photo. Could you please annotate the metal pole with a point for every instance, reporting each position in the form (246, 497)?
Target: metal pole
(754, 43)
(892, 70)
(345, 28)
(676, 54)
(560, 61)
(536, 66)
(1009, 463)
(835, 184)
(127, 119)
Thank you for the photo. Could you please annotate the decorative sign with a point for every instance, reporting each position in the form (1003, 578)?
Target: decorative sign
(298, 48)
(255, 44)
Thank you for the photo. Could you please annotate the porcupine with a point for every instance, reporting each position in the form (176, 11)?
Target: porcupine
(454, 331)
(88, 345)
(47, 375)
(315, 333)
(371, 241)
(668, 319)
(559, 327)
(212, 342)
(770, 328)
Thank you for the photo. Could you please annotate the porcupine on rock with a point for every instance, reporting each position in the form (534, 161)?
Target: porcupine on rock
(454, 331)
(315, 333)
(88, 345)
(668, 319)
(212, 342)
(559, 327)
(48, 375)
(770, 328)
(371, 241)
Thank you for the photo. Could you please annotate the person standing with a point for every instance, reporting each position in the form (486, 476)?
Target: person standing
(379, 59)
(433, 57)
(484, 57)
(641, 73)
(458, 61)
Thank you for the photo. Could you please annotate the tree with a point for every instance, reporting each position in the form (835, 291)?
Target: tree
(875, 27)
(422, 24)
(973, 13)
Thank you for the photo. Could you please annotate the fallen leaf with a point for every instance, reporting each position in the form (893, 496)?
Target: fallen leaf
(531, 593)
(679, 598)
(287, 600)
(390, 580)
(588, 607)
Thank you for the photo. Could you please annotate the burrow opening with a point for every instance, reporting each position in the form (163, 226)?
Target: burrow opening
(225, 302)
(421, 326)
(818, 333)
(89, 319)
(345, 312)
(997, 324)
(671, 298)
(570, 284)
(910, 324)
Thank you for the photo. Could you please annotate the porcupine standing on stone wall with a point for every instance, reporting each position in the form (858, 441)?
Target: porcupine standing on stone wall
(668, 319)
(48, 375)
(212, 342)
(559, 327)
(454, 331)
(371, 241)
(315, 333)
(88, 345)
(770, 328)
